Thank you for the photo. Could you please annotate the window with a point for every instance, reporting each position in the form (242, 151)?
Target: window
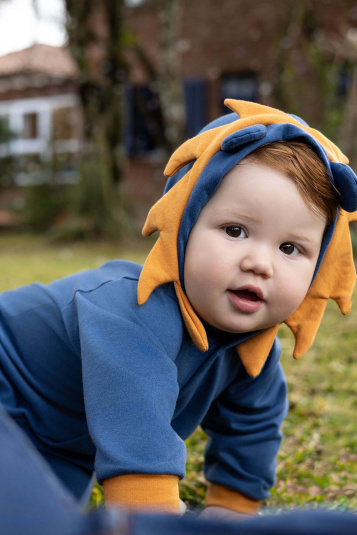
(144, 132)
(30, 126)
(145, 126)
(242, 86)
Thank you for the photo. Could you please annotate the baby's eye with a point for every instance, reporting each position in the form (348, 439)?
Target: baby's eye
(289, 249)
(235, 232)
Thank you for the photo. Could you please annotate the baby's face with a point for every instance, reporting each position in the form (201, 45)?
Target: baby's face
(252, 253)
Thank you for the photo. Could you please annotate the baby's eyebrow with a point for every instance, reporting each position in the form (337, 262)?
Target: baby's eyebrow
(234, 214)
(303, 238)
(246, 216)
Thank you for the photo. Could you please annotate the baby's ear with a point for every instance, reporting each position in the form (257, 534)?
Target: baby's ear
(241, 137)
(346, 184)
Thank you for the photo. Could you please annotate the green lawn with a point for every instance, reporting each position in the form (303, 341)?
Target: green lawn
(318, 459)
(29, 258)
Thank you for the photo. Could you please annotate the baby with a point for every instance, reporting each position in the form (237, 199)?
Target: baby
(112, 369)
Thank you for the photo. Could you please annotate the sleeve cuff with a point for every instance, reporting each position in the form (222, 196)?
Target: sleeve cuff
(225, 497)
(158, 492)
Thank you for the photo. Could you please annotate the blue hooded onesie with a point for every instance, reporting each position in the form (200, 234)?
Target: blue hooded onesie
(112, 369)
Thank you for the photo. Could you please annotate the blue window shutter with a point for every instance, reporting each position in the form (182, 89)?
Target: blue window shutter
(195, 93)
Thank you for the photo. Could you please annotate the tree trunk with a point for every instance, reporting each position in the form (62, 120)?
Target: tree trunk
(170, 79)
(95, 39)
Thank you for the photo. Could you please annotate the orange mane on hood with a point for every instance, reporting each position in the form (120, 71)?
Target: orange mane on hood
(335, 278)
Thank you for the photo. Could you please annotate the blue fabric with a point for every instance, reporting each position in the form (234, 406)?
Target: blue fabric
(222, 423)
(33, 502)
(346, 183)
(294, 523)
(241, 137)
(97, 380)
(225, 119)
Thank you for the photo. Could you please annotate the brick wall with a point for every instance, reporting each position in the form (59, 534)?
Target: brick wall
(216, 37)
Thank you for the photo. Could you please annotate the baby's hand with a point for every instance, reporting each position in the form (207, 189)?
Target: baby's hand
(222, 513)
(183, 508)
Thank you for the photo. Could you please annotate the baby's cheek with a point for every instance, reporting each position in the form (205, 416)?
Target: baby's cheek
(297, 295)
(289, 297)
(215, 272)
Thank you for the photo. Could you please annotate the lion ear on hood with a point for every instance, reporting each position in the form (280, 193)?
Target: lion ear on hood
(346, 184)
(241, 137)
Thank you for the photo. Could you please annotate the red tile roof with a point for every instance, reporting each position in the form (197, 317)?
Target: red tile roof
(39, 59)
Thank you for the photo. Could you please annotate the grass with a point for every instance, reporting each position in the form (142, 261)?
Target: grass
(317, 463)
(318, 458)
(28, 258)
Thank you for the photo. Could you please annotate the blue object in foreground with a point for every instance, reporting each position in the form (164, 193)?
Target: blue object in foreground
(34, 502)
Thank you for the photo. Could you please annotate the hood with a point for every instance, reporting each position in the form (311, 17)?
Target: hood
(196, 169)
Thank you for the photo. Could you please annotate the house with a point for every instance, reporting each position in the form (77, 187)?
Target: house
(40, 108)
(264, 51)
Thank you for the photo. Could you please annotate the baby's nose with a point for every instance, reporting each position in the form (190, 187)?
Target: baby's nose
(258, 262)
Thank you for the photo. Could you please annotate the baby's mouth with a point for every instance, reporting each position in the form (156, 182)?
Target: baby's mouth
(246, 299)
(249, 295)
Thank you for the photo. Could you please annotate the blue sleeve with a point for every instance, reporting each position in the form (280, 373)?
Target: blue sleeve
(244, 429)
(130, 386)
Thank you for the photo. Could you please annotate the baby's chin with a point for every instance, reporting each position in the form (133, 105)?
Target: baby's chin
(244, 330)
(234, 330)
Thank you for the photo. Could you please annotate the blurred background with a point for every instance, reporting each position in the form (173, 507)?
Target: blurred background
(95, 95)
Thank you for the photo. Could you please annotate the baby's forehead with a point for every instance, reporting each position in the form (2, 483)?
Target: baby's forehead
(252, 183)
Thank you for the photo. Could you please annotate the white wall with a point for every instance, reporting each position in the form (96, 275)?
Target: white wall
(43, 107)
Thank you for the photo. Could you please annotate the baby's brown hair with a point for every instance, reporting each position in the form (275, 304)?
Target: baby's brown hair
(299, 161)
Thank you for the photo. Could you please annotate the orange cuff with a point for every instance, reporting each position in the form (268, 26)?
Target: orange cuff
(230, 499)
(144, 491)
